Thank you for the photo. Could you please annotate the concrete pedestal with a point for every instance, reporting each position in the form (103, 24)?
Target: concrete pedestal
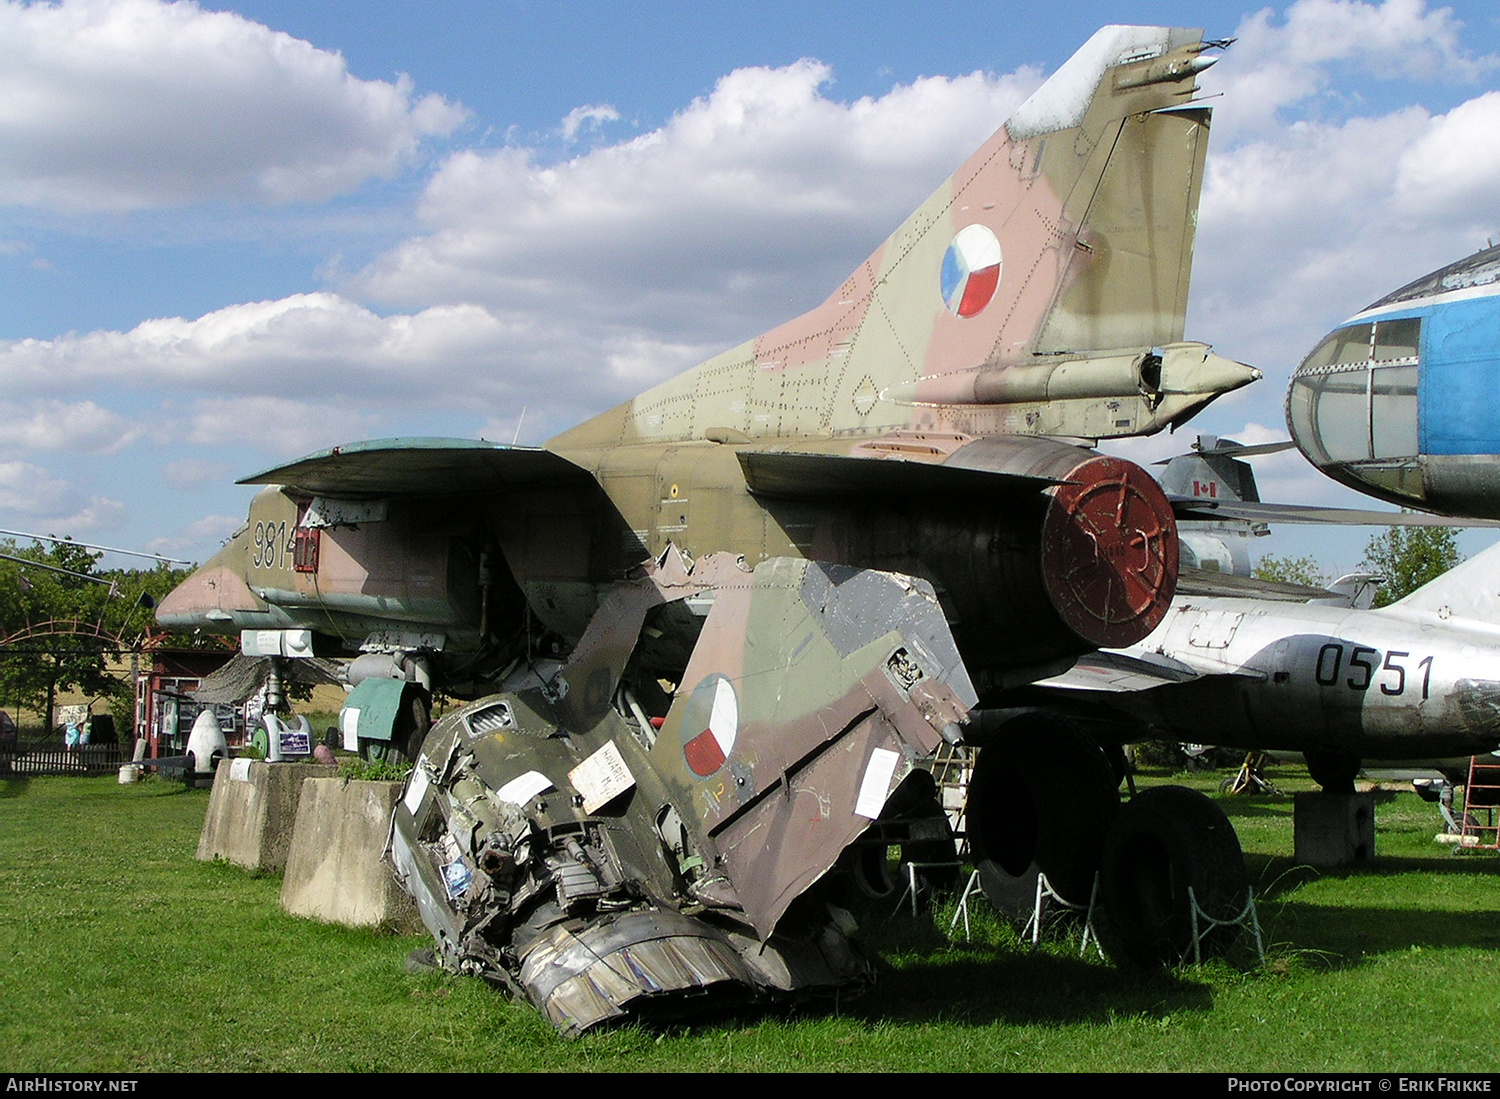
(252, 810)
(1334, 830)
(334, 870)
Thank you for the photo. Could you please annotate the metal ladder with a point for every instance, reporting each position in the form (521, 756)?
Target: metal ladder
(1484, 775)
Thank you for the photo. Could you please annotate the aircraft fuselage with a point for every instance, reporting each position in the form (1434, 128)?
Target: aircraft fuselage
(1384, 684)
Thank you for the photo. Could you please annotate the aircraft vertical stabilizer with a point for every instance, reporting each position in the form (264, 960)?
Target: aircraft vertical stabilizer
(1470, 589)
(1044, 277)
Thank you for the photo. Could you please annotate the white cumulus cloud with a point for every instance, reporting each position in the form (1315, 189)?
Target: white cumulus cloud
(279, 425)
(748, 205)
(1276, 63)
(33, 497)
(591, 117)
(80, 426)
(125, 104)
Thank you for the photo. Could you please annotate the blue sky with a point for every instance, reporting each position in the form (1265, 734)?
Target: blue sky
(228, 238)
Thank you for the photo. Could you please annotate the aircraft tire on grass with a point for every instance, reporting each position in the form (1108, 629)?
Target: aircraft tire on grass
(412, 729)
(1164, 840)
(1040, 801)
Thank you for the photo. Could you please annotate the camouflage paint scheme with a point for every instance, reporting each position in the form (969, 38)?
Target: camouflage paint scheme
(734, 837)
(773, 583)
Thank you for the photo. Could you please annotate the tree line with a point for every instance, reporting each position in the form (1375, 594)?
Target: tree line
(63, 619)
(1405, 557)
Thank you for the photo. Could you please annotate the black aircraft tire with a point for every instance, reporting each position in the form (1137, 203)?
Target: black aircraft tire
(868, 864)
(412, 726)
(1335, 772)
(869, 868)
(1040, 801)
(415, 726)
(937, 860)
(1164, 840)
(376, 751)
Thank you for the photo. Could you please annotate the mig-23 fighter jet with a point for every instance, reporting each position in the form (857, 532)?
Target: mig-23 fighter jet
(713, 633)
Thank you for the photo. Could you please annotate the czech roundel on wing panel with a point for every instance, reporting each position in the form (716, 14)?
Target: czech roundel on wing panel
(709, 725)
(971, 270)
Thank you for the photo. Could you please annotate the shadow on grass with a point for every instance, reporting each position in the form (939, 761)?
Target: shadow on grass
(1276, 875)
(980, 986)
(14, 787)
(1349, 935)
(1000, 979)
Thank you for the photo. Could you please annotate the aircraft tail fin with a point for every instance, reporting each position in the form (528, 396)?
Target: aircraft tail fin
(1471, 589)
(1050, 271)
(1210, 472)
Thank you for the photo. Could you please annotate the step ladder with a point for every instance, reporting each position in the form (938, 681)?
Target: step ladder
(1481, 816)
(952, 767)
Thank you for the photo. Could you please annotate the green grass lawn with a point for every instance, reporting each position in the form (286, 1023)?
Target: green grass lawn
(122, 953)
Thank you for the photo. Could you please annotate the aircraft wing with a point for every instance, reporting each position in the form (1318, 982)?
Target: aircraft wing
(1226, 584)
(1136, 670)
(1117, 671)
(423, 467)
(1188, 507)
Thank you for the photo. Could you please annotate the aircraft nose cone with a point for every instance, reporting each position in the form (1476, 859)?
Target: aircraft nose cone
(208, 599)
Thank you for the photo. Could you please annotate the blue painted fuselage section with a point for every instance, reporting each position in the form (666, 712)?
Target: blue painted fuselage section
(1458, 378)
(1402, 401)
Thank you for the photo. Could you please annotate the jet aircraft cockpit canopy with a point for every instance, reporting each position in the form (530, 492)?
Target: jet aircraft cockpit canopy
(1352, 407)
(1399, 401)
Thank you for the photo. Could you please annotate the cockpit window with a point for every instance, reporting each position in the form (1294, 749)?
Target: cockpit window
(1397, 339)
(1354, 399)
(1480, 269)
(1344, 345)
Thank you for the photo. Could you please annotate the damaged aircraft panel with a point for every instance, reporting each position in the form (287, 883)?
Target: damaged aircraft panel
(596, 863)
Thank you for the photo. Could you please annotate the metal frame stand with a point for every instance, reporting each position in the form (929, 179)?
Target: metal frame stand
(1044, 893)
(963, 906)
(1200, 917)
(911, 869)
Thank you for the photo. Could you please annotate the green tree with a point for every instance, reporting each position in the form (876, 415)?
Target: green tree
(1409, 557)
(61, 618)
(1290, 570)
(46, 592)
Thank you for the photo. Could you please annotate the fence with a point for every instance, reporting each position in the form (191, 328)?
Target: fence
(52, 759)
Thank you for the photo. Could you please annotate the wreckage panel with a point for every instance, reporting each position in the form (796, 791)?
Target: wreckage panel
(785, 842)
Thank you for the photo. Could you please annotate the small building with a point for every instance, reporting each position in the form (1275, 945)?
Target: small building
(164, 704)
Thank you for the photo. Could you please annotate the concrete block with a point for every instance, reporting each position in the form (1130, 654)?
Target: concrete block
(252, 810)
(334, 870)
(1334, 830)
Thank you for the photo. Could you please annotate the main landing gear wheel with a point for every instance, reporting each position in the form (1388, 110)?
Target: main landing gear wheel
(1041, 798)
(412, 726)
(1335, 772)
(1164, 840)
